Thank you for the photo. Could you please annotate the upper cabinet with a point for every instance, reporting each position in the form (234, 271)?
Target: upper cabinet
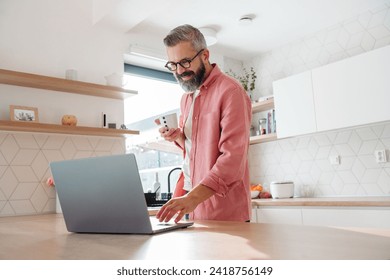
(295, 105)
(354, 91)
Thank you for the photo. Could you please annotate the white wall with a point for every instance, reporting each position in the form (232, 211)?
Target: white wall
(47, 37)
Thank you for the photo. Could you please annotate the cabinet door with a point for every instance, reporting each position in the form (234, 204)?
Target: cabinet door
(369, 217)
(353, 91)
(254, 214)
(294, 105)
(279, 215)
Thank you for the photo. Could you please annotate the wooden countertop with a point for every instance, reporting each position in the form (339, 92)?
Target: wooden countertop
(370, 201)
(45, 237)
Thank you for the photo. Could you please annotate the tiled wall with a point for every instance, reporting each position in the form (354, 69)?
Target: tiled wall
(24, 166)
(305, 159)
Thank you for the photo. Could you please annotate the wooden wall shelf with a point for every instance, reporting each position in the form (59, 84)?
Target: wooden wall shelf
(262, 138)
(262, 106)
(62, 129)
(50, 83)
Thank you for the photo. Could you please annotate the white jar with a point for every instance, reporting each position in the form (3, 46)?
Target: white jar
(282, 189)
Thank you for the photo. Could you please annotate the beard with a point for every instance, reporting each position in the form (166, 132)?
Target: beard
(196, 80)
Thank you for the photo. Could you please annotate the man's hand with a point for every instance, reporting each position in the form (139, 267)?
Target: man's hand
(171, 134)
(185, 204)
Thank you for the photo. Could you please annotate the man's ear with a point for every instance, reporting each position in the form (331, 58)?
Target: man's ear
(206, 54)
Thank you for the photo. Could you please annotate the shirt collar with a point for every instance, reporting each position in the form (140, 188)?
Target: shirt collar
(211, 78)
(215, 72)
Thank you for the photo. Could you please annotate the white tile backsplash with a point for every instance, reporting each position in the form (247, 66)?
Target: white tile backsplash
(306, 162)
(24, 166)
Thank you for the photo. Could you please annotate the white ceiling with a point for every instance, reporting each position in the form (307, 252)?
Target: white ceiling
(277, 22)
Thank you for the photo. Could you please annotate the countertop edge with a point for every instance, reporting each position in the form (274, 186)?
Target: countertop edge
(377, 201)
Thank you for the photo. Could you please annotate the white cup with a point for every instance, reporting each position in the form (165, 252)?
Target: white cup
(115, 80)
(307, 191)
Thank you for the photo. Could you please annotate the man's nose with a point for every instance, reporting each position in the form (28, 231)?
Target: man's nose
(180, 69)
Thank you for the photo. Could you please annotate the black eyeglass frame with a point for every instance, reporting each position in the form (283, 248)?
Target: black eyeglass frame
(181, 62)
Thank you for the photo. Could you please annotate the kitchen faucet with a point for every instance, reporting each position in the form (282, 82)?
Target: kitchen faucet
(169, 181)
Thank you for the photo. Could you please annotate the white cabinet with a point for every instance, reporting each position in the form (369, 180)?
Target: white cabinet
(295, 105)
(279, 215)
(254, 215)
(369, 217)
(366, 217)
(353, 91)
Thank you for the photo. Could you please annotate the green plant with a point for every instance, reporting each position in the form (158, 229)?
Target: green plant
(247, 80)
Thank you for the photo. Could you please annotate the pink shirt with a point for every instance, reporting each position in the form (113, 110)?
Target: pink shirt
(219, 154)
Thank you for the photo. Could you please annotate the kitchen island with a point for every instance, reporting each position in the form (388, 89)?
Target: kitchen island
(45, 237)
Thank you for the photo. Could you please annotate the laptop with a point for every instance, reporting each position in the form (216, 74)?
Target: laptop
(105, 195)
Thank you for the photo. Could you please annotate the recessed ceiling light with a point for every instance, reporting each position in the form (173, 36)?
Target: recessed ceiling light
(209, 34)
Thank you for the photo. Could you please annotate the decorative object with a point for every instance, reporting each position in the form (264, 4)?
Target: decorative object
(50, 182)
(115, 80)
(247, 80)
(262, 126)
(284, 189)
(112, 125)
(70, 120)
(71, 74)
(23, 113)
(104, 120)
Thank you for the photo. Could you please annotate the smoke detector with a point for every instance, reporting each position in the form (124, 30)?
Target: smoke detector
(246, 20)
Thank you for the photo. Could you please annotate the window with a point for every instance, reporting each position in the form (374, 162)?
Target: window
(157, 95)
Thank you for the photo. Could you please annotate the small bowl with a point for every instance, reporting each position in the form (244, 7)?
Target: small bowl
(254, 194)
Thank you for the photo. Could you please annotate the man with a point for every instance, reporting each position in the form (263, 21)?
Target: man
(213, 133)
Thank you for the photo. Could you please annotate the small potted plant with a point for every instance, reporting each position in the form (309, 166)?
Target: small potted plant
(247, 80)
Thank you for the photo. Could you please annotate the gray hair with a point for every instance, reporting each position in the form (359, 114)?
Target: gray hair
(185, 33)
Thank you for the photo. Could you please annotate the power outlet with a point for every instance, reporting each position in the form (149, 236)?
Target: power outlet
(380, 156)
(334, 159)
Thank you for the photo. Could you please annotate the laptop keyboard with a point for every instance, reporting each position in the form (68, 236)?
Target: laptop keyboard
(155, 204)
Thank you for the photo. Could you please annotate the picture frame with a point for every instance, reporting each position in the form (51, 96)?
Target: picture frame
(23, 113)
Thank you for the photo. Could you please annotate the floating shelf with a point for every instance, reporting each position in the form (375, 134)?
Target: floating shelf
(262, 138)
(62, 129)
(50, 83)
(262, 106)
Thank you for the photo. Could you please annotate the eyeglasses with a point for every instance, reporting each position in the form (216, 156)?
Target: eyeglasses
(185, 63)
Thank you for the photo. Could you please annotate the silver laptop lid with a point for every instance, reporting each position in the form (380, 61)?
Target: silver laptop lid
(102, 195)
